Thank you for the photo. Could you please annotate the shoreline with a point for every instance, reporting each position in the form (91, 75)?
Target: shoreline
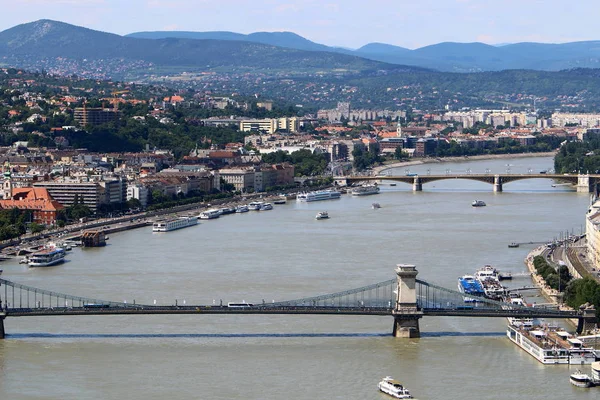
(382, 168)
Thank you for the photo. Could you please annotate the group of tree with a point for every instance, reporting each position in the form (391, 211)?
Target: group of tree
(452, 148)
(364, 159)
(556, 278)
(574, 157)
(13, 223)
(306, 163)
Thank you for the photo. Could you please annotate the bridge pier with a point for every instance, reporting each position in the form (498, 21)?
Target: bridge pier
(2, 333)
(406, 314)
(497, 183)
(587, 321)
(584, 184)
(417, 185)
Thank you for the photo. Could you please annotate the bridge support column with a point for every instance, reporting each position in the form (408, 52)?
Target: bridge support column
(583, 184)
(417, 185)
(587, 321)
(497, 183)
(2, 333)
(406, 314)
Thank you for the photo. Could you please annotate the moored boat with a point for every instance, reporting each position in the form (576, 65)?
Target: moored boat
(365, 190)
(255, 205)
(468, 285)
(173, 224)
(318, 195)
(46, 257)
(266, 207)
(241, 209)
(394, 388)
(210, 214)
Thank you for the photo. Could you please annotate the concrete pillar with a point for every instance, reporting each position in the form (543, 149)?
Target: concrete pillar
(497, 183)
(2, 333)
(406, 314)
(587, 321)
(583, 184)
(417, 185)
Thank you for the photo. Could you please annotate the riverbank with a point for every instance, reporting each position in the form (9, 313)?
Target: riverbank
(378, 170)
(552, 295)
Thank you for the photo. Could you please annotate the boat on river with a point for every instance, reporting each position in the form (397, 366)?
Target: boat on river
(478, 203)
(318, 196)
(173, 224)
(468, 285)
(581, 380)
(394, 388)
(365, 190)
(322, 215)
(46, 257)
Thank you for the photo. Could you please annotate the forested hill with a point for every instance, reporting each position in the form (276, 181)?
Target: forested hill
(50, 43)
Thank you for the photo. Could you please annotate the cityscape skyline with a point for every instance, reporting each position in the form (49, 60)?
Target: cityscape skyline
(405, 23)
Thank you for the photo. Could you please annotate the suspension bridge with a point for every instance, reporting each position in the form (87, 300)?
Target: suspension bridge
(405, 298)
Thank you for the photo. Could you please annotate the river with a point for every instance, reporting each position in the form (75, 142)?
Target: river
(286, 254)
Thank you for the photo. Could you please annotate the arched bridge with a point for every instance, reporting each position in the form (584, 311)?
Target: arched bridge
(405, 298)
(584, 183)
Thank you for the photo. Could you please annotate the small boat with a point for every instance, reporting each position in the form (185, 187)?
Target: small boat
(266, 206)
(375, 206)
(512, 245)
(24, 260)
(478, 203)
(581, 380)
(241, 209)
(280, 200)
(322, 215)
(392, 387)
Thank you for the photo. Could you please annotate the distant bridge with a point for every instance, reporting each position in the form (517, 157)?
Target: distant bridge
(584, 183)
(405, 298)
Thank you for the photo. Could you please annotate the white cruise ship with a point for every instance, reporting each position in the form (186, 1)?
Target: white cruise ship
(550, 346)
(173, 224)
(210, 214)
(318, 195)
(46, 257)
(365, 190)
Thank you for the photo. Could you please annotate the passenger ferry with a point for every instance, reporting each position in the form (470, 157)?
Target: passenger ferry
(173, 224)
(489, 278)
(517, 300)
(365, 190)
(478, 203)
(581, 380)
(255, 205)
(392, 387)
(241, 209)
(318, 195)
(467, 284)
(210, 214)
(46, 257)
(322, 215)
(550, 346)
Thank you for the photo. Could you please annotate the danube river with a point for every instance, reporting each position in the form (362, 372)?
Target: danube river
(286, 254)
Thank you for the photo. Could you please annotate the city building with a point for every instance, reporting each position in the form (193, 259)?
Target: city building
(95, 116)
(37, 200)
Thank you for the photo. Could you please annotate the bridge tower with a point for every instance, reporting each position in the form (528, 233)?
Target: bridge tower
(497, 183)
(2, 316)
(417, 184)
(587, 321)
(584, 184)
(405, 312)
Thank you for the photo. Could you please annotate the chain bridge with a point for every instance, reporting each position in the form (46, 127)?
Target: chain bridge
(583, 182)
(405, 298)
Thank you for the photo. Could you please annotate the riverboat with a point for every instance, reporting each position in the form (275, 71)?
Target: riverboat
(255, 205)
(46, 257)
(513, 245)
(365, 190)
(266, 207)
(280, 200)
(318, 196)
(550, 346)
(516, 299)
(478, 203)
(210, 214)
(489, 278)
(467, 284)
(174, 224)
(581, 380)
(241, 209)
(227, 210)
(394, 388)
(376, 206)
(322, 215)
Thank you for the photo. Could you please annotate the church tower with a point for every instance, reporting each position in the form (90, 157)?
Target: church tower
(7, 184)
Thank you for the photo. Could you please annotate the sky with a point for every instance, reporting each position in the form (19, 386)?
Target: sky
(345, 23)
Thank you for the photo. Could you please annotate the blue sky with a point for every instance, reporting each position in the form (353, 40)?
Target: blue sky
(348, 23)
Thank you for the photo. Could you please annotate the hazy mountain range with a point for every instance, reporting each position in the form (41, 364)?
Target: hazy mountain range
(448, 56)
(46, 43)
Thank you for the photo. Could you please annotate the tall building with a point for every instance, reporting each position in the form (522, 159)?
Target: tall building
(95, 116)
